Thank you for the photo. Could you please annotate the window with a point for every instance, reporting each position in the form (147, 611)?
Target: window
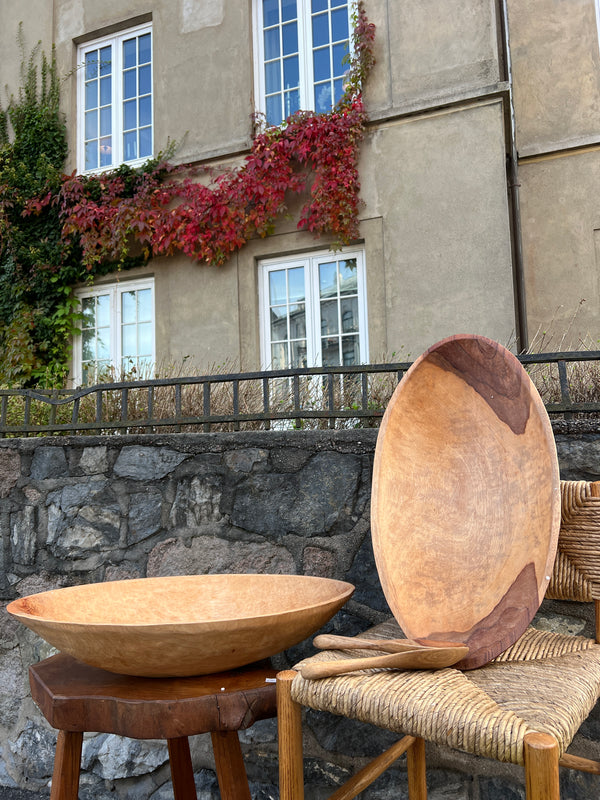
(314, 311)
(115, 100)
(301, 45)
(117, 331)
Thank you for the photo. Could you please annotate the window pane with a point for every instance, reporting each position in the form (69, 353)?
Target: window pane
(329, 317)
(105, 121)
(129, 115)
(330, 352)
(328, 279)
(144, 49)
(91, 65)
(106, 60)
(319, 5)
(103, 344)
(144, 305)
(272, 44)
(288, 10)
(320, 29)
(339, 24)
(291, 72)
(323, 98)
(130, 83)
(145, 142)
(270, 12)
(298, 355)
(277, 288)
(91, 155)
(296, 288)
(130, 145)
(339, 89)
(105, 91)
(290, 38)
(129, 53)
(91, 124)
(128, 307)
(129, 340)
(106, 151)
(272, 77)
(350, 351)
(103, 310)
(91, 94)
(349, 309)
(145, 79)
(339, 53)
(88, 310)
(274, 114)
(88, 348)
(291, 103)
(279, 357)
(348, 276)
(297, 321)
(321, 66)
(279, 331)
(145, 339)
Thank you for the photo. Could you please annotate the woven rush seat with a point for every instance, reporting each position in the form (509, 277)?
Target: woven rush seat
(545, 682)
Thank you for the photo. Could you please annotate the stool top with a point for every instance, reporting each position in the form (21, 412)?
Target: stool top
(77, 697)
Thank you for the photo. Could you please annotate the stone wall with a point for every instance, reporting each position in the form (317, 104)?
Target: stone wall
(84, 509)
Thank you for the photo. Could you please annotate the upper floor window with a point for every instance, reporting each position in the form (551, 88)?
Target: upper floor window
(115, 100)
(301, 45)
(313, 310)
(117, 332)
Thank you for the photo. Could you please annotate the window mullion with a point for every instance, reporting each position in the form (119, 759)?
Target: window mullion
(313, 301)
(305, 47)
(116, 348)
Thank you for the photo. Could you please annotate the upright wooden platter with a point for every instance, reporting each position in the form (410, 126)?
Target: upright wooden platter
(466, 498)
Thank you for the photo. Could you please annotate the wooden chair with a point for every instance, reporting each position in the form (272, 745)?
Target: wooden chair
(523, 708)
(76, 698)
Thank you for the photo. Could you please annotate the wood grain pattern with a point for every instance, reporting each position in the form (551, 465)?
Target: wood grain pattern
(466, 500)
(183, 625)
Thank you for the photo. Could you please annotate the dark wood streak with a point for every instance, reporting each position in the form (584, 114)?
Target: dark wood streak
(494, 633)
(493, 372)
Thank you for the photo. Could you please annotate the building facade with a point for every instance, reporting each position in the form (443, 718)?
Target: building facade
(477, 172)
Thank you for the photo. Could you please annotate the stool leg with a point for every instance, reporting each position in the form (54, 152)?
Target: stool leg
(415, 765)
(67, 763)
(182, 772)
(231, 772)
(541, 767)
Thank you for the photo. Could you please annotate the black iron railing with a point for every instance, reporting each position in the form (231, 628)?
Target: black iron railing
(331, 397)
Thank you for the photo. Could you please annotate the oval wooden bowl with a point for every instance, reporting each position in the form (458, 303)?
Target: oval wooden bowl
(189, 625)
(466, 498)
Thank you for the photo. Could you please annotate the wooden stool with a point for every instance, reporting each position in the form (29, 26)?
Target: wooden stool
(75, 698)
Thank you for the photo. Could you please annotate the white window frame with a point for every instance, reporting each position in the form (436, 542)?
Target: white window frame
(304, 50)
(116, 41)
(310, 262)
(114, 290)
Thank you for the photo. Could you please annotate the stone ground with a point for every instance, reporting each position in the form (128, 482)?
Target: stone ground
(17, 794)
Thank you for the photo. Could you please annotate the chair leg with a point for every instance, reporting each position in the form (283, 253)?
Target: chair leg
(67, 763)
(541, 767)
(415, 765)
(289, 724)
(182, 771)
(231, 772)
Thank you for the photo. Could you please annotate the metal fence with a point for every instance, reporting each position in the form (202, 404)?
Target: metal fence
(332, 397)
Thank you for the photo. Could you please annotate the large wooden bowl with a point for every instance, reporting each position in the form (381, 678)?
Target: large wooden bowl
(191, 625)
(466, 498)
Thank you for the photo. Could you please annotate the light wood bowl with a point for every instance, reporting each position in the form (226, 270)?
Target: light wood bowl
(466, 498)
(188, 625)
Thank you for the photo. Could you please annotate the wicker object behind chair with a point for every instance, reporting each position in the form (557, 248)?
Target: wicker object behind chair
(524, 707)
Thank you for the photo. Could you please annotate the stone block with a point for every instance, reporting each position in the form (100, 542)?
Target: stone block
(147, 463)
(10, 470)
(49, 462)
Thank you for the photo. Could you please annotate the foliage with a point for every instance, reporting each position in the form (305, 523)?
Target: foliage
(57, 230)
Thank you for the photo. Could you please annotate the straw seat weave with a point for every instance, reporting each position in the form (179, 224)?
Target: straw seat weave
(545, 682)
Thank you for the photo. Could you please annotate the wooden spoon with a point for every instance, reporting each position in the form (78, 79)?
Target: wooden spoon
(328, 641)
(425, 658)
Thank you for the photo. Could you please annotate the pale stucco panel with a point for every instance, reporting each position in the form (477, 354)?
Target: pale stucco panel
(556, 70)
(560, 208)
(442, 47)
(447, 259)
(36, 16)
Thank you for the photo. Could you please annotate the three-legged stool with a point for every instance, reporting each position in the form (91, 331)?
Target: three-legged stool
(75, 698)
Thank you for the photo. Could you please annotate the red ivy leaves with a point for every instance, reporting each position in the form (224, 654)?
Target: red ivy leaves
(167, 210)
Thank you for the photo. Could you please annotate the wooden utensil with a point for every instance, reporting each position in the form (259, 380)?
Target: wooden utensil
(423, 658)
(465, 506)
(329, 641)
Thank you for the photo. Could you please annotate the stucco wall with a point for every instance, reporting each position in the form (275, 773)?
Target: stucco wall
(83, 509)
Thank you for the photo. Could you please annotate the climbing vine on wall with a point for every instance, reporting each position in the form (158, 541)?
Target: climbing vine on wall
(63, 228)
